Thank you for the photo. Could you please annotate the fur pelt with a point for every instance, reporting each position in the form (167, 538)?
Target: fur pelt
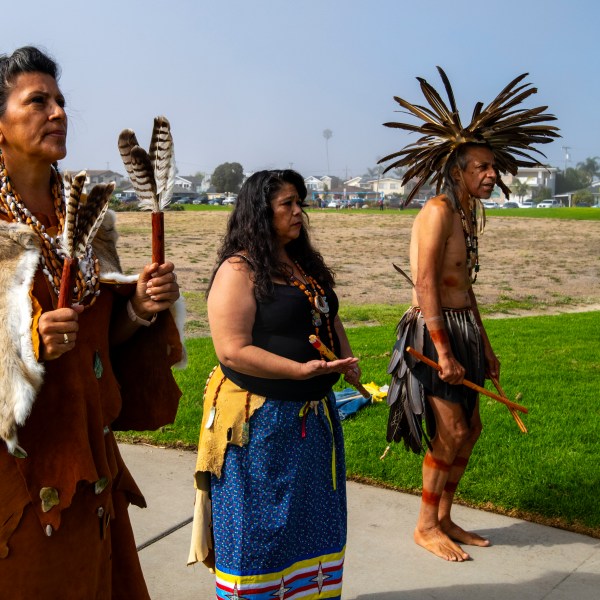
(21, 375)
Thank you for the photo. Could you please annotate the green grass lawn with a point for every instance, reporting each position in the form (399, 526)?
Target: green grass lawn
(580, 214)
(574, 213)
(549, 475)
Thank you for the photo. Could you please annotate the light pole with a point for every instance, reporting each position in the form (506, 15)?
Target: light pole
(327, 133)
(566, 151)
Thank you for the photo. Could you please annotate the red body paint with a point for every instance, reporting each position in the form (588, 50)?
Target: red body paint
(450, 281)
(439, 336)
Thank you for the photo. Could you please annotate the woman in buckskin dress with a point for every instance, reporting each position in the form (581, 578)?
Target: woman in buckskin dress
(69, 376)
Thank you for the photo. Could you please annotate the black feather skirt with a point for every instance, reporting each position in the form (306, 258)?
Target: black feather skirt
(411, 418)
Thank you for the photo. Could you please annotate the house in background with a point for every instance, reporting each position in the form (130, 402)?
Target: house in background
(106, 176)
(356, 182)
(191, 183)
(386, 186)
(318, 184)
(534, 177)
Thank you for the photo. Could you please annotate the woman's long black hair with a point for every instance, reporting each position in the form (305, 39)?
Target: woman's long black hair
(250, 231)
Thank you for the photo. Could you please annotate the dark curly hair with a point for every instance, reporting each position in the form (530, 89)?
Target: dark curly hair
(250, 231)
(23, 60)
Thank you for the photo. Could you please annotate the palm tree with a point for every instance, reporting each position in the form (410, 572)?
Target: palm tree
(520, 188)
(327, 133)
(373, 172)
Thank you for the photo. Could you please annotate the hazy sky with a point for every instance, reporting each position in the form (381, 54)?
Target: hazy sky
(257, 81)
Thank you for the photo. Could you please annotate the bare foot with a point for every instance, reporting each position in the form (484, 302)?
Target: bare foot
(437, 542)
(453, 531)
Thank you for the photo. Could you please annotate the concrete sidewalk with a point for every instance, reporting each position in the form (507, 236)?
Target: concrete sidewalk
(526, 561)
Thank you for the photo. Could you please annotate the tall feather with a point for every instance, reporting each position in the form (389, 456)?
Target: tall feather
(72, 207)
(145, 183)
(162, 157)
(127, 141)
(90, 215)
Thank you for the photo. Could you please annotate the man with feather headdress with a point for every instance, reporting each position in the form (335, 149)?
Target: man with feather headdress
(443, 322)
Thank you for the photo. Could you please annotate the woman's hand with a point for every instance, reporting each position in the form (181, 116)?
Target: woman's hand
(352, 375)
(58, 331)
(157, 290)
(313, 368)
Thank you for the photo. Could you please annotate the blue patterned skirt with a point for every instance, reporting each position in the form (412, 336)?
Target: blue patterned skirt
(279, 508)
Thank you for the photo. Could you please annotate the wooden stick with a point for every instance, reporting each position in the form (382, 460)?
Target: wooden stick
(466, 382)
(158, 237)
(67, 281)
(326, 353)
(513, 412)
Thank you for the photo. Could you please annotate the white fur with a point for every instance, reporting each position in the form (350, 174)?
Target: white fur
(116, 277)
(178, 312)
(22, 374)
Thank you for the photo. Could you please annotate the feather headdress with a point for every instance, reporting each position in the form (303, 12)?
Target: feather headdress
(509, 131)
(152, 175)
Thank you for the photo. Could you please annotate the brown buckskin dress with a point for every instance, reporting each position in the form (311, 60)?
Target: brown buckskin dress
(64, 527)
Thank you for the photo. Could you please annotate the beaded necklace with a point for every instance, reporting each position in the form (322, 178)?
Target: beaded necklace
(471, 240)
(87, 281)
(316, 296)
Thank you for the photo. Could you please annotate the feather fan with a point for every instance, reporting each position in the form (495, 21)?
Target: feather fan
(510, 132)
(152, 176)
(83, 217)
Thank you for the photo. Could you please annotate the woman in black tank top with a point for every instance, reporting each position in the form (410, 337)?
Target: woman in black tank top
(285, 472)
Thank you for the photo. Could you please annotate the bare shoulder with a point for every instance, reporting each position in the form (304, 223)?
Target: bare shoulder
(234, 273)
(439, 205)
(238, 262)
(437, 212)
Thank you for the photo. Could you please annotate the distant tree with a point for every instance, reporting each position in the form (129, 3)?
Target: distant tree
(336, 182)
(541, 193)
(199, 175)
(583, 198)
(373, 172)
(228, 177)
(519, 188)
(590, 167)
(571, 180)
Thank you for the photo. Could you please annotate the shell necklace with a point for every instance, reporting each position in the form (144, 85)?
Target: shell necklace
(316, 296)
(471, 240)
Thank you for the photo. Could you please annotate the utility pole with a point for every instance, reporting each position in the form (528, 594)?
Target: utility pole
(566, 151)
(327, 133)
(567, 157)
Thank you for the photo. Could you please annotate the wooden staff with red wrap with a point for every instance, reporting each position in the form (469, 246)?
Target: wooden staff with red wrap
(327, 354)
(152, 176)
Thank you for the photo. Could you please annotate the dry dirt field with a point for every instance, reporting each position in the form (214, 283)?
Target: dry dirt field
(555, 263)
